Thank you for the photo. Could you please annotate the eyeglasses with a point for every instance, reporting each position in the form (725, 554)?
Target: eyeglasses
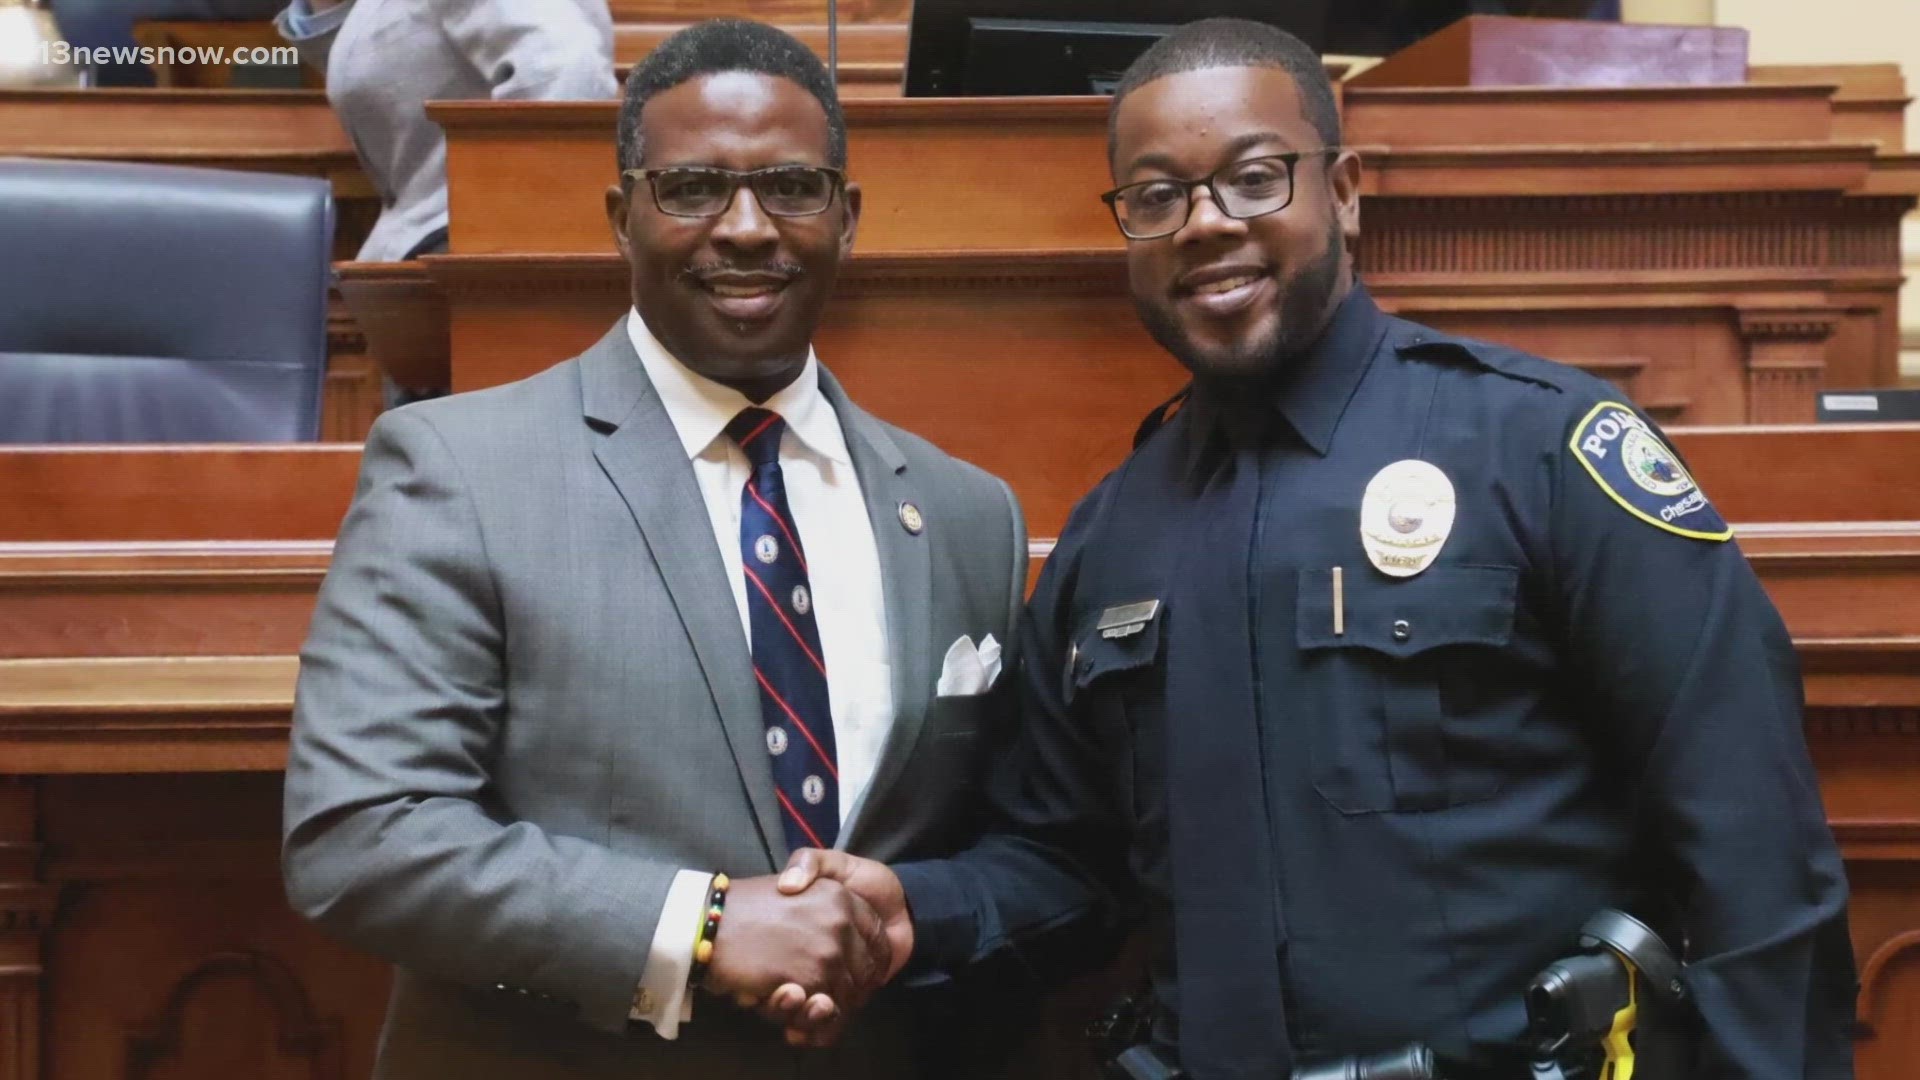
(783, 190)
(1243, 189)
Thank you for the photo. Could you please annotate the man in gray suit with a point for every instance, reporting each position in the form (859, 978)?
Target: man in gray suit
(671, 608)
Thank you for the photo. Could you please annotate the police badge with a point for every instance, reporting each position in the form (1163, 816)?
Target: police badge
(1638, 471)
(1406, 516)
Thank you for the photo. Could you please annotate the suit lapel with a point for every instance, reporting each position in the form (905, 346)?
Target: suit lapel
(907, 582)
(641, 454)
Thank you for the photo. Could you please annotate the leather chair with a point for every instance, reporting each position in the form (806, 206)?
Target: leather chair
(154, 303)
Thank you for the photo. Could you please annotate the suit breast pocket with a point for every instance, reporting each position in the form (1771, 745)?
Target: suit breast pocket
(958, 719)
(1379, 727)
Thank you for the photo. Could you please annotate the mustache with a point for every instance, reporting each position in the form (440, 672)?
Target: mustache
(700, 273)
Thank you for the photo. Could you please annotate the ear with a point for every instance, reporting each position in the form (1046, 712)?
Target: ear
(850, 221)
(617, 219)
(1343, 178)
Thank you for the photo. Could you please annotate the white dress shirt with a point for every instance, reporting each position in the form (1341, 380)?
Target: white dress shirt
(849, 602)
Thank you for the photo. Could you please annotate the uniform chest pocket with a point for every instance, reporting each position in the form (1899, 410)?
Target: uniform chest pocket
(1116, 685)
(1381, 735)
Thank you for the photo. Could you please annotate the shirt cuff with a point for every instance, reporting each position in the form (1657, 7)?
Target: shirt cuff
(662, 998)
(299, 21)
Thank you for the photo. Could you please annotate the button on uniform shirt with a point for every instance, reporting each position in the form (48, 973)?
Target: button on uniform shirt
(1584, 700)
(849, 606)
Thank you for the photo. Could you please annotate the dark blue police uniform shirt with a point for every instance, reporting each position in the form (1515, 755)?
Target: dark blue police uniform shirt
(1585, 701)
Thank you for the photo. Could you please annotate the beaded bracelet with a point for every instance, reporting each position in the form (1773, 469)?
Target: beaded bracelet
(709, 931)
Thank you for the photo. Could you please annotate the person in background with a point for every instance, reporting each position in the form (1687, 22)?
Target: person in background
(385, 59)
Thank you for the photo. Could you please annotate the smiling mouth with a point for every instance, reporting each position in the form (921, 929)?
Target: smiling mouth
(1225, 285)
(1226, 297)
(745, 301)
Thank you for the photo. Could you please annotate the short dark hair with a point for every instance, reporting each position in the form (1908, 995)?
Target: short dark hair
(718, 45)
(1212, 43)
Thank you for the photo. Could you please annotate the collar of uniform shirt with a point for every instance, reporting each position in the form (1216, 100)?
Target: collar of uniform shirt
(701, 408)
(1313, 393)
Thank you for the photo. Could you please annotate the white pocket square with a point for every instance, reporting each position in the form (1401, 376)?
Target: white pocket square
(968, 670)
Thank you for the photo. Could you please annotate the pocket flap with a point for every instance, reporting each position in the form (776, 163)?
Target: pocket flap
(1443, 605)
(1112, 640)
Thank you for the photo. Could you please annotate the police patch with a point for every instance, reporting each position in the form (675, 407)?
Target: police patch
(1639, 472)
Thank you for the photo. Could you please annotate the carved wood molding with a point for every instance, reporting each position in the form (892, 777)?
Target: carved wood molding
(299, 1033)
(1103, 273)
(1626, 232)
(27, 903)
(1844, 724)
(1799, 324)
(1786, 360)
(343, 332)
(1062, 273)
(1873, 975)
(27, 908)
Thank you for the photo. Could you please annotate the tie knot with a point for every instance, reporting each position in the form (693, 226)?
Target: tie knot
(758, 431)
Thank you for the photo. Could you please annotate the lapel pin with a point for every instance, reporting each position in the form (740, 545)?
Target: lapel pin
(911, 519)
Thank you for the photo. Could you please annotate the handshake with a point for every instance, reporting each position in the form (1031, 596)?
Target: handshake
(809, 947)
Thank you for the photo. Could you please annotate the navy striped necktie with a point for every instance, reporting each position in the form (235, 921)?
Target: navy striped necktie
(787, 661)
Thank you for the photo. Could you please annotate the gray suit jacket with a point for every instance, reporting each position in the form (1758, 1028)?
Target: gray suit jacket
(526, 701)
(390, 57)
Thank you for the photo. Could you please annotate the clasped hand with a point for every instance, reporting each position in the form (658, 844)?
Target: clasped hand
(809, 948)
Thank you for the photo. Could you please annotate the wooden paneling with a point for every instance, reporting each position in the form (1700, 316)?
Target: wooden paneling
(147, 714)
(234, 984)
(132, 493)
(1703, 346)
(1870, 100)
(872, 58)
(938, 173)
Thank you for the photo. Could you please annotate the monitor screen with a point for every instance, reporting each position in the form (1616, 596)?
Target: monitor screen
(982, 48)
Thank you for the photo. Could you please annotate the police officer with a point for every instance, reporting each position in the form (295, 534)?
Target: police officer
(1384, 662)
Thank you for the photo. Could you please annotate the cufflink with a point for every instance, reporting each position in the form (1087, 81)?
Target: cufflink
(643, 1000)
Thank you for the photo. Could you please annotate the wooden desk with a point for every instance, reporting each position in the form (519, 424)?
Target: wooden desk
(147, 625)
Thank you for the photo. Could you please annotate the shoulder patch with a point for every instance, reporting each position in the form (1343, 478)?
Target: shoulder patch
(1637, 470)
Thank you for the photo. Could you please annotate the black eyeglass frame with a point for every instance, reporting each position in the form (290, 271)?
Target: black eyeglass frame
(738, 179)
(1291, 159)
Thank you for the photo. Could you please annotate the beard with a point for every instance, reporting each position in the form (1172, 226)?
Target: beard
(1306, 300)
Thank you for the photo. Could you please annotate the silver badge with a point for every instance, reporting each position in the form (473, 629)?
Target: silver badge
(1406, 516)
(766, 549)
(910, 518)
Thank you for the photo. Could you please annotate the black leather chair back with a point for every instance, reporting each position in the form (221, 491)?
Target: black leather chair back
(155, 303)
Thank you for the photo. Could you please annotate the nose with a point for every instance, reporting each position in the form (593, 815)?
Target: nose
(744, 224)
(1205, 219)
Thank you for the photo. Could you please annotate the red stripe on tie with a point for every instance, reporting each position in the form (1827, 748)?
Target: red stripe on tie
(825, 758)
(798, 819)
(775, 605)
(782, 522)
(755, 433)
